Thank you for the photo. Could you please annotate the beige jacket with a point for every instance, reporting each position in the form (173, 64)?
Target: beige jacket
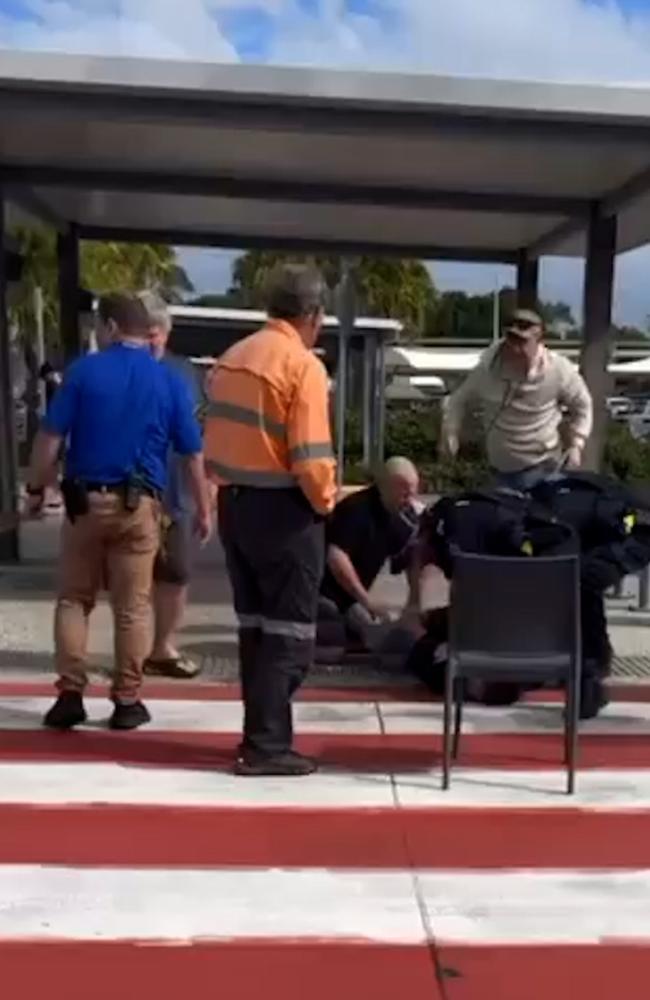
(522, 416)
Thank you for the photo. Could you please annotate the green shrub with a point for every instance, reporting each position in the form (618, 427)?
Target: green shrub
(624, 457)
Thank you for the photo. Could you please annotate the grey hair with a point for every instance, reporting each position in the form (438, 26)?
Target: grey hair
(400, 466)
(157, 309)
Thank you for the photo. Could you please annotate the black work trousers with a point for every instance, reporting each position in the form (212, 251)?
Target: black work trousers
(275, 554)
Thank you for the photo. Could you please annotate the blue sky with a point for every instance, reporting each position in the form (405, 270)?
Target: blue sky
(606, 41)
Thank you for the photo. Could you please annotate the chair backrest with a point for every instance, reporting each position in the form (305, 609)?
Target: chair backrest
(515, 606)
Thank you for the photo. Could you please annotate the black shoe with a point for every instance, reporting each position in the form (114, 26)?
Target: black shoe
(129, 716)
(290, 764)
(67, 711)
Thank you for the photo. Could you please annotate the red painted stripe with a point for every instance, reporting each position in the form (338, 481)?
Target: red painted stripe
(206, 691)
(198, 691)
(372, 753)
(539, 973)
(234, 971)
(367, 838)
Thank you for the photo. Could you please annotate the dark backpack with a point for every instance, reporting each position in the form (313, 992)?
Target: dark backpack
(493, 523)
(599, 509)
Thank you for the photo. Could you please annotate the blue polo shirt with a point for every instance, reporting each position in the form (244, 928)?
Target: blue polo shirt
(121, 411)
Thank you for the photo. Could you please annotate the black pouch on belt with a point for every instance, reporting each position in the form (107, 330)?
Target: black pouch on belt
(75, 499)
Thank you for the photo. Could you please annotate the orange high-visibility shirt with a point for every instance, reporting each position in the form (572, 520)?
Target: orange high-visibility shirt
(268, 417)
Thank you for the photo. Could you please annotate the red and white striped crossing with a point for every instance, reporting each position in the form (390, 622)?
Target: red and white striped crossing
(138, 864)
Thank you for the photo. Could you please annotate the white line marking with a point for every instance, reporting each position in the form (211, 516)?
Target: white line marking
(201, 716)
(125, 784)
(345, 717)
(620, 718)
(509, 907)
(117, 904)
(537, 907)
(62, 784)
(595, 789)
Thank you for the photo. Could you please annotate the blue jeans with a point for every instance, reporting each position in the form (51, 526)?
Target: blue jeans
(527, 479)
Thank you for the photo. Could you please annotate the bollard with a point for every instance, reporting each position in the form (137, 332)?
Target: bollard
(644, 589)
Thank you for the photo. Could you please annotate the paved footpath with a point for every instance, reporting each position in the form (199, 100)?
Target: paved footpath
(137, 865)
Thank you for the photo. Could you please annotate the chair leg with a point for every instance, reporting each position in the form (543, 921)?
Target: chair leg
(458, 716)
(572, 723)
(447, 733)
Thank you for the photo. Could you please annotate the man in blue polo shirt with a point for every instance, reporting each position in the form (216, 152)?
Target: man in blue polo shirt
(120, 412)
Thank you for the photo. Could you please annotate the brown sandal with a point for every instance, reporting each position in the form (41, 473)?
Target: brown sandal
(180, 667)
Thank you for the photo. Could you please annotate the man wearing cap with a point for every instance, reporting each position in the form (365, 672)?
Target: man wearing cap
(536, 408)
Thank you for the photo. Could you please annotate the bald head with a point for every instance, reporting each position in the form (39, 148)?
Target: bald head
(399, 482)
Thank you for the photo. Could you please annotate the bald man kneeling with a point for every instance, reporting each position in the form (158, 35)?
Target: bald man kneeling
(368, 529)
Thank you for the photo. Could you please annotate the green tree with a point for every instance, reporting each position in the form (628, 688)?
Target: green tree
(104, 268)
(387, 287)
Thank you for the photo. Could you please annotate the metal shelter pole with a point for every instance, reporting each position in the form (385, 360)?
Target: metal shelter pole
(368, 397)
(9, 535)
(597, 322)
(68, 260)
(346, 317)
(527, 281)
(380, 401)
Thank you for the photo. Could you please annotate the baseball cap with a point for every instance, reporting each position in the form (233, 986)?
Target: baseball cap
(523, 322)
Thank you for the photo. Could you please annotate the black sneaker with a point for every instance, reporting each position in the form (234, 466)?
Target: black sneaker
(129, 716)
(67, 711)
(290, 764)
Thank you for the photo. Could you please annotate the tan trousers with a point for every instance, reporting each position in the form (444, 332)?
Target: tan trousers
(114, 548)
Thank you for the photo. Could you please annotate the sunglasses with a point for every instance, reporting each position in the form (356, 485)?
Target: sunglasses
(523, 325)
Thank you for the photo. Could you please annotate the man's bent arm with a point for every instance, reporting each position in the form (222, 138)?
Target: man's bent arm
(454, 409)
(577, 399)
(310, 441)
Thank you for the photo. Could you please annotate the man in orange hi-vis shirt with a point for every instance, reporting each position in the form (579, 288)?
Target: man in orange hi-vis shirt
(268, 445)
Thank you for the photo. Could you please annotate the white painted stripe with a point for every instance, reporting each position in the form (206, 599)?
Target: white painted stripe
(508, 907)
(181, 905)
(537, 907)
(494, 788)
(64, 784)
(201, 716)
(618, 718)
(347, 717)
(126, 784)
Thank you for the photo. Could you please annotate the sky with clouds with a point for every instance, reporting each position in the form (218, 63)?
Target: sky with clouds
(567, 40)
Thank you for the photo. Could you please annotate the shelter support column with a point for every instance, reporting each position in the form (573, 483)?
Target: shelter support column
(597, 324)
(68, 262)
(374, 400)
(346, 309)
(9, 533)
(527, 281)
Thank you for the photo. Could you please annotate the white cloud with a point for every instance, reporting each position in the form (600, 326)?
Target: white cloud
(155, 28)
(512, 39)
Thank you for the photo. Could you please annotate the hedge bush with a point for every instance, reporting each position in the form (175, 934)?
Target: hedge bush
(414, 432)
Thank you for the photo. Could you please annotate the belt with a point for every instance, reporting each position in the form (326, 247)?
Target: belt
(119, 488)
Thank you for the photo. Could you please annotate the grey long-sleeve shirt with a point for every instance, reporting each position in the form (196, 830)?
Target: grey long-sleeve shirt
(522, 415)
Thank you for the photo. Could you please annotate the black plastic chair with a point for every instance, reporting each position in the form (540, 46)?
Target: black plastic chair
(514, 620)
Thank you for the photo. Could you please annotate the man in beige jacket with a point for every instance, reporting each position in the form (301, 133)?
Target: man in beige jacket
(536, 408)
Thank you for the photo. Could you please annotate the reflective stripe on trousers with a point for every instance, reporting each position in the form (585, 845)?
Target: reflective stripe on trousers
(290, 630)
